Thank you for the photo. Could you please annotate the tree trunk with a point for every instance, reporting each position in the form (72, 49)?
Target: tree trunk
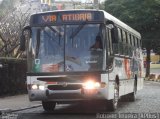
(148, 50)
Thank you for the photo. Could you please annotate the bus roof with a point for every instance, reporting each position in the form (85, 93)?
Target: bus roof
(120, 23)
(107, 16)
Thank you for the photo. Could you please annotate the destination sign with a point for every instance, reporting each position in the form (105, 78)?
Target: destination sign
(64, 17)
(49, 18)
(77, 17)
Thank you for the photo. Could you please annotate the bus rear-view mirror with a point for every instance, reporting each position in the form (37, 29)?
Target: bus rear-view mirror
(23, 38)
(22, 42)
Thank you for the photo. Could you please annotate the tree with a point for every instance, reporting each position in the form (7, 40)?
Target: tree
(142, 15)
(10, 30)
(6, 6)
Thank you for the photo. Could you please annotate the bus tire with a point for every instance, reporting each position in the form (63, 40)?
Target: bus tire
(48, 105)
(113, 103)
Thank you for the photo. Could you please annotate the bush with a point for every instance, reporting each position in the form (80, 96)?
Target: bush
(12, 76)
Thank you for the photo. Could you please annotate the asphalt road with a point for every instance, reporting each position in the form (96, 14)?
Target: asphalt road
(147, 105)
(155, 71)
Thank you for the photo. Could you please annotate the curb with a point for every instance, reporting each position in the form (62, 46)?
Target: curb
(20, 109)
(153, 77)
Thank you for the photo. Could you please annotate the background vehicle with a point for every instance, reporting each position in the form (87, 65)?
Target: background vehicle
(62, 66)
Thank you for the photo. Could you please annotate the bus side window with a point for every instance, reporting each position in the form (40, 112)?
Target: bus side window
(124, 36)
(119, 35)
(112, 38)
(114, 34)
(108, 40)
(130, 39)
(140, 43)
(115, 39)
(125, 46)
(129, 45)
(133, 41)
(120, 43)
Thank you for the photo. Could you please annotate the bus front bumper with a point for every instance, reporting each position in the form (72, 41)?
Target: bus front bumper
(66, 95)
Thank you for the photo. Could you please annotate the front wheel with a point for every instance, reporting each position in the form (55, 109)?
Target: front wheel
(113, 103)
(48, 105)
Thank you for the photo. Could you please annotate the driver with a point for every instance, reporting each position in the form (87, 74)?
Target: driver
(97, 44)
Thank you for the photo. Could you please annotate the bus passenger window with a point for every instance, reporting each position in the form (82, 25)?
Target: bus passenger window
(128, 38)
(125, 46)
(137, 42)
(132, 39)
(119, 34)
(129, 45)
(124, 36)
(110, 41)
(140, 42)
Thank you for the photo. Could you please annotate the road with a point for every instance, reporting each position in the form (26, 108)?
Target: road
(147, 104)
(156, 71)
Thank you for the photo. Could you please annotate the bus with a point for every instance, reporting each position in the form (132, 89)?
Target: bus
(66, 65)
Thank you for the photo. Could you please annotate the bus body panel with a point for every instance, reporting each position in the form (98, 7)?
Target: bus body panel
(66, 94)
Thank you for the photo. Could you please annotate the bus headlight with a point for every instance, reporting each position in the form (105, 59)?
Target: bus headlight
(34, 87)
(41, 87)
(91, 85)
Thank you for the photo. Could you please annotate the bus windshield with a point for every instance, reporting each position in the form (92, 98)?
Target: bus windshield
(67, 48)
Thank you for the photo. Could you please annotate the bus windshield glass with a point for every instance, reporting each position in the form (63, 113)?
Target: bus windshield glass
(67, 48)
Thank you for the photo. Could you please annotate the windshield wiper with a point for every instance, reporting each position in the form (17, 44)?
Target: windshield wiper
(51, 37)
(78, 29)
(55, 30)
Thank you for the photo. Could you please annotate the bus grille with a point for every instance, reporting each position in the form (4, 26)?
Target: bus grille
(65, 87)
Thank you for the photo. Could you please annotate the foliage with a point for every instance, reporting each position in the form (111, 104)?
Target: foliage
(143, 15)
(6, 6)
(156, 44)
(11, 24)
(12, 73)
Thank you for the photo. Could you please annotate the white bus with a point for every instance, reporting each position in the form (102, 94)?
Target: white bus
(66, 64)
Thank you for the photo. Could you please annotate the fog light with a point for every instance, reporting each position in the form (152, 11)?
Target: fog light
(34, 87)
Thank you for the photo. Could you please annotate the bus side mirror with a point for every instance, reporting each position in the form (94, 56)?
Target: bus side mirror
(22, 43)
(23, 38)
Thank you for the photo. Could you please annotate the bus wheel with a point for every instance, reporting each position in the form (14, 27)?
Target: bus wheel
(113, 103)
(48, 105)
